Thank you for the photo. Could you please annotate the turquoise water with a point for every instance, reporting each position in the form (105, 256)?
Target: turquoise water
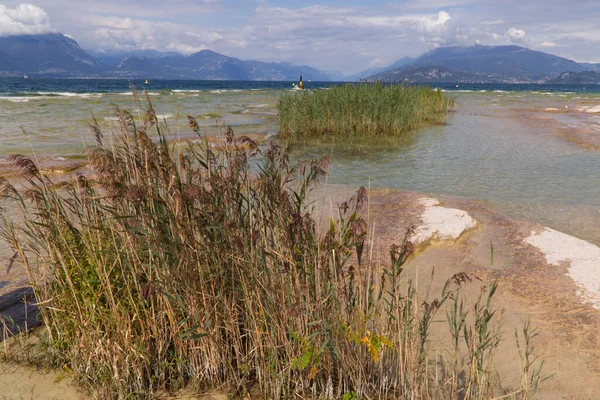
(500, 146)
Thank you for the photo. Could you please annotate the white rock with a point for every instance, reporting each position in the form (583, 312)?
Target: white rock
(441, 223)
(583, 259)
(593, 109)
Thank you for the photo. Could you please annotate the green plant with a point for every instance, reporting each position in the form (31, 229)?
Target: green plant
(368, 110)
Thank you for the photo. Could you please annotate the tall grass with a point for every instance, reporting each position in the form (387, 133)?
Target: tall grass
(207, 269)
(361, 110)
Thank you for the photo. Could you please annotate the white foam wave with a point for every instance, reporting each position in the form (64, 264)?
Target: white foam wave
(131, 93)
(187, 90)
(63, 94)
(218, 91)
(14, 99)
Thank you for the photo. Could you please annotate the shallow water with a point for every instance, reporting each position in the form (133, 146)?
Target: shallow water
(488, 150)
(485, 152)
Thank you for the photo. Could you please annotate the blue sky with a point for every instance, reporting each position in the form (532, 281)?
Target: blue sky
(348, 35)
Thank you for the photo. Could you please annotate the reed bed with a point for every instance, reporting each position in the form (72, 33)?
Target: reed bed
(368, 110)
(206, 269)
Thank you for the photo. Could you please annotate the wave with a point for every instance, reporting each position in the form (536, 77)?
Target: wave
(131, 93)
(158, 117)
(187, 90)
(25, 99)
(226, 90)
(217, 91)
(62, 94)
(14, 99)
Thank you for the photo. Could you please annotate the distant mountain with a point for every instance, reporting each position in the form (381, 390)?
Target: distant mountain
(207, 64)
(56, 55)
(49, 55)
(374, 71)
(576, 78)
(111, 59)
(431, 74)
(506, 64)
(335, 76)
(590, 66)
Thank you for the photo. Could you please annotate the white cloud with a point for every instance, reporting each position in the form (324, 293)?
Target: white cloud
(548, 44)
(516, 34)
(24, 19)
(432, 4)
(132, 34)
(430, 25)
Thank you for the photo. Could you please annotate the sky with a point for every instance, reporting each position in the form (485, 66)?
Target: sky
(347, 36)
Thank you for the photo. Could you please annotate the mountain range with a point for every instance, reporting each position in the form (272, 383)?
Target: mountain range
(493, 64)
(207, 64)
(57, 55)
(45, 55)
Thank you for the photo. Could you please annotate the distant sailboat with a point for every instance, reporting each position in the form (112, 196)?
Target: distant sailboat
(25, 76)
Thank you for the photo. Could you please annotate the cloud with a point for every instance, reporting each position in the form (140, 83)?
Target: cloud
(548, 44)
(24, 19)
(439, 24)
(493, 22)
(516, 35)
(135, 34)
(433, 4)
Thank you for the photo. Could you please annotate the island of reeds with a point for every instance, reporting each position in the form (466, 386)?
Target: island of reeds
(365, 110)
(205, 268)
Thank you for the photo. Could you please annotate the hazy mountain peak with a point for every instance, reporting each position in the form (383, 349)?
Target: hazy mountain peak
(481, 63)
(52, 54)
